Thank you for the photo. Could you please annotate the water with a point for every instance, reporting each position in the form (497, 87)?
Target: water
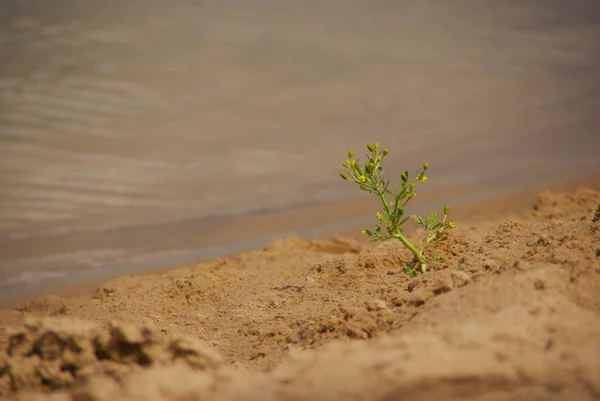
(119, 119)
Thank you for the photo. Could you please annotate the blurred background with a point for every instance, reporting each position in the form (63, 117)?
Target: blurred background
(134, 134)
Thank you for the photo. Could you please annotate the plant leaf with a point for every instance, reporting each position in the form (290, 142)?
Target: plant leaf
(370, 233)
(433, 219)
(419, 221)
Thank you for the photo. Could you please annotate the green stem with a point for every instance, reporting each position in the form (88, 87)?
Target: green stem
(415, 251)
(596, 215)
(385, 204)
(440, 231)
(409, 198)
(402, 238)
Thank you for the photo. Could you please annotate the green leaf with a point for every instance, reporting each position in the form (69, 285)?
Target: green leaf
(411, 272)
(369, 233)
(404, 220)
(433, 219)
(419, 221)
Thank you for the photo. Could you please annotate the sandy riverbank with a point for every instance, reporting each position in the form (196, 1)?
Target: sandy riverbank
(511, 313)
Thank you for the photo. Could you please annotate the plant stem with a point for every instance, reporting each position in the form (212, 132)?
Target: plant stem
(429, 239)
(415, 251)
(385, 204)
(596, 215)
(418, 254)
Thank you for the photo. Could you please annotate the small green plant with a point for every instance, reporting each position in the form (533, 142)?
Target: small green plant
(371, 178)
(594, 227)
(596, 215)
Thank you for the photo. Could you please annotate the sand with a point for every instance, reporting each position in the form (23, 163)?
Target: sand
(511, 313)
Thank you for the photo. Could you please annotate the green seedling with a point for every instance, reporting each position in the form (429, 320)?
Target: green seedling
(596, 215)
(593, 227)
(371, 178)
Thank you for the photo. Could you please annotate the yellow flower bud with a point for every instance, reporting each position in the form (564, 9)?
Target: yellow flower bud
(370, 167)
(386, 151)
(378, 215)
(362, 178)
(412, 186)
(404, 177)
(425, 166)
(344, 175)
(451, 224)
(424, 179)
(348, 163)
(350, 154)
(376, 146)
(446, 209)
(370, 147)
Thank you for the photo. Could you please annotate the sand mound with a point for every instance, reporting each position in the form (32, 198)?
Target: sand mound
(511, 312)
(51, 353)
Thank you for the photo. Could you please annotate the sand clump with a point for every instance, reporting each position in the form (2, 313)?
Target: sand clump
(53, 353)
(511, 312)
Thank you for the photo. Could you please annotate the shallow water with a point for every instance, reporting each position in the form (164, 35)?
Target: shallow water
(147, 113)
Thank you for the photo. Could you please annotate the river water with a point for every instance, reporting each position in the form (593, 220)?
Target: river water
(118, 119)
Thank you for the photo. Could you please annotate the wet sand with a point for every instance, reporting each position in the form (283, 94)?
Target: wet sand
(138, 136)
(160, 248)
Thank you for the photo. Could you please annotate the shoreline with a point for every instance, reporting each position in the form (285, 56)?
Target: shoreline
(319, 221)
(302, 319)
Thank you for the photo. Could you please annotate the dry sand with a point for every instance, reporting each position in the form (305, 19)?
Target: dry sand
(511, 313)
